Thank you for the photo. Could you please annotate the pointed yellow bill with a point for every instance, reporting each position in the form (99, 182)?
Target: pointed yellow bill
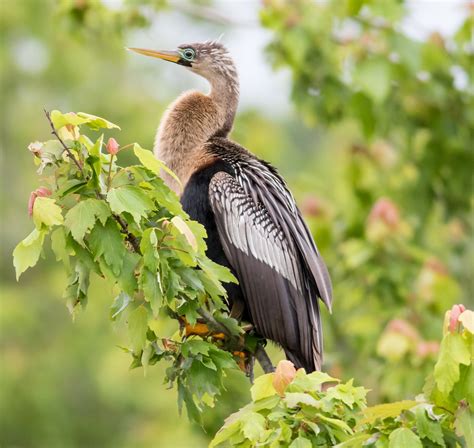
(172, 56)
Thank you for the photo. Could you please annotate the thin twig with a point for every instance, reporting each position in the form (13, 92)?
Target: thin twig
(132, 239)
(264, 360)
(250, 366)
(69, 153)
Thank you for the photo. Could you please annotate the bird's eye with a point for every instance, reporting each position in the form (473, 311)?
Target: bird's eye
(188, 54)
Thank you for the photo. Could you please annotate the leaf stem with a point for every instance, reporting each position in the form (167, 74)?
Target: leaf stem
(110, 171)
(69, 153)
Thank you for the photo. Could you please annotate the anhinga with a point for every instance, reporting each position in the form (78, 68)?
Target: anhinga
(253, 224)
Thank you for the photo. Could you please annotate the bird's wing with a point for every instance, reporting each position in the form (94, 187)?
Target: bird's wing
(269, 188)
(282, 303)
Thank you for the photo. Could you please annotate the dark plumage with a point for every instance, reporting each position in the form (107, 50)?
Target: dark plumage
(254, 226)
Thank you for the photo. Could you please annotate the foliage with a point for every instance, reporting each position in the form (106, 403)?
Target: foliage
(310, 410)
(66, 381)
(349, 59)
(126, 226)
(393, 177)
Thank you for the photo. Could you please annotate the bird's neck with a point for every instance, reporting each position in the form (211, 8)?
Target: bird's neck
(190, 121)
(225, 95)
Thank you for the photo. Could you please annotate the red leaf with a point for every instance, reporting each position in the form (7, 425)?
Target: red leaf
(284, 374)
(41, 192)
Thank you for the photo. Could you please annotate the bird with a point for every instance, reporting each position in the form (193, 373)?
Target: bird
(253, 224)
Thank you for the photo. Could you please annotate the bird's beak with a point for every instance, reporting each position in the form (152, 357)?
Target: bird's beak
(172, 56)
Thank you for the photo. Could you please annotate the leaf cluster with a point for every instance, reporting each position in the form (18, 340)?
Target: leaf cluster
(310, 410)
(125, 225)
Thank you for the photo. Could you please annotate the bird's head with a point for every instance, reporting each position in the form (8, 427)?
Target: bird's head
(209, 59)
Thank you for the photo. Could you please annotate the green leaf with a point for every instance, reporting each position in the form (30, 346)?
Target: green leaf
(195, 347)
(383, 411)
(464, 425)
(28, 251)
(59, 119)
(467, 320)
(463, 389)
(253, 426)
(107, 241)
(301, 442)
(127, 279)
(151, 288)
(130, 199)
(347, 393)
(226, 432)
(47, 212)
(60, 247)
(263, 387)
(191, 408)
(184, 229)
(427, 427)
(94, 160)
(373, 77)
(217, 273)
(453, 352)
(81, 218)
(309, 382)
(148, 247)
(295, 399)
(355, 441)
(149, 161)
(120, 303)
(78, 285)
(404, 438)
(96, 149)
(145, 358)
(336, 422)
(137, 328)
(69, 187)
(96, 123)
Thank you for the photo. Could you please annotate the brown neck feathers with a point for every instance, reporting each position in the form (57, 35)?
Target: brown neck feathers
(191, 120)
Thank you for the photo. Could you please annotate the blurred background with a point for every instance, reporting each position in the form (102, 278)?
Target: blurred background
(365, 107)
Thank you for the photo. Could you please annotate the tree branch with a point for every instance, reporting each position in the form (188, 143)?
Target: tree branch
(264, 360)
(132, 239)
(69, 153)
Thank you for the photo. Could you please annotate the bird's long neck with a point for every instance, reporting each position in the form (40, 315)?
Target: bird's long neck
(190, 121)
(225, 95)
